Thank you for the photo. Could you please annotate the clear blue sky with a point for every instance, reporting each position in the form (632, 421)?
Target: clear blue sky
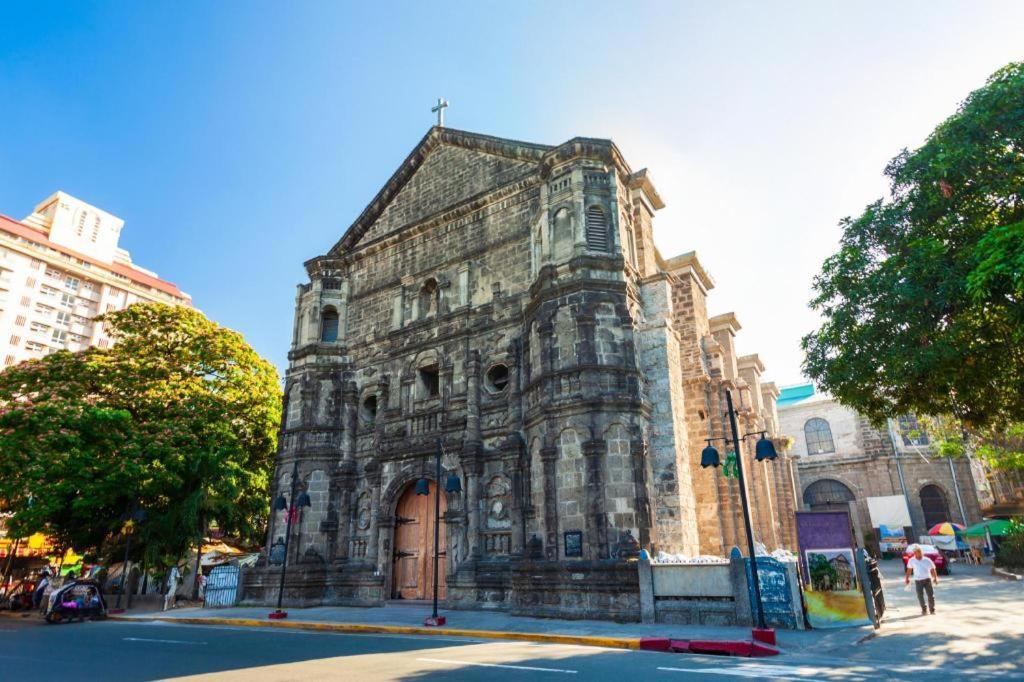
(239, 139)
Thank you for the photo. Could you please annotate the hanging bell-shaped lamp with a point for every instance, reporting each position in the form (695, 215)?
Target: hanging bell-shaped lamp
(452, 484)
(280, 504)
(423, 487)
(765, 450)
(709, 457)
(303, 500)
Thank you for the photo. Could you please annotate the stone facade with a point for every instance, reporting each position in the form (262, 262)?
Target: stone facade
(868, 462)
(505, 300)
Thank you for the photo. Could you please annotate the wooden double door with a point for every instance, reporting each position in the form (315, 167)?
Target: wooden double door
(413, 572)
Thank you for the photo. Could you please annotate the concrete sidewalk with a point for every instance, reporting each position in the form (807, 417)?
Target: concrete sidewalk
(408, 619)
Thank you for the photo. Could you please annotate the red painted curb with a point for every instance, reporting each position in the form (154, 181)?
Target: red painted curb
(707, 646)
(655, 644)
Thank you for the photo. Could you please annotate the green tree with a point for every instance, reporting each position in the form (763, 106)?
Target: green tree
(179, 417)
(923, 303)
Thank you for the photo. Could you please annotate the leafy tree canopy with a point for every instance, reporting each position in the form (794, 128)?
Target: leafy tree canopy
(923, 303)
(179, 417)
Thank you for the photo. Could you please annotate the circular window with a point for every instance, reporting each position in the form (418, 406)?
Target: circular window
(497, 378)
(368, 410)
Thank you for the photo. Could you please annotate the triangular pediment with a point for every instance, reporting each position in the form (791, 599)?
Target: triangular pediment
(445, 169)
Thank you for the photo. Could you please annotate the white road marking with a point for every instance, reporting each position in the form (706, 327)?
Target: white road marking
(450, 661)
(159, 641)
(759, 671)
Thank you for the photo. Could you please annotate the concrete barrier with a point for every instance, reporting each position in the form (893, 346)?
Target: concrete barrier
(711, 594)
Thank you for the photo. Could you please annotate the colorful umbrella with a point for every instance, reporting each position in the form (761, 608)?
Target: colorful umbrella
(996, 527)
(946, 528)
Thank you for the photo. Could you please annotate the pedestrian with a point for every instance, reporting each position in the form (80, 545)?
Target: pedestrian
(44, 582)
(925, 576)
(173, 576)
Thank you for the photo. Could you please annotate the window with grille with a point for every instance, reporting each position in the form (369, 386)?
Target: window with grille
(912, 431)
(827, 494)
(20, 320)
(597, 229)
(818, 435)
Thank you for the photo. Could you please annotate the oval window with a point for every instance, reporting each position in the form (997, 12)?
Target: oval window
(497, 378)
(368, 410)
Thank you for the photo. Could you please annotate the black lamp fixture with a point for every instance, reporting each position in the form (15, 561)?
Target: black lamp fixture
(709, 457)
(452, 484)
(764, 450)
(299, 500)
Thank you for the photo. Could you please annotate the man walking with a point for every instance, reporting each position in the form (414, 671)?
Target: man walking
(923, 570)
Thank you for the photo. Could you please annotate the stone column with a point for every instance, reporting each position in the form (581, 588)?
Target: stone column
(349, 409)
(463, 284)
(586, 353)
(473, 467)
(513, 463)
(549, 456)
(595, 522)
(645, 527)
(372, 474)
(473, 434)
(345, 477)
(515, 360)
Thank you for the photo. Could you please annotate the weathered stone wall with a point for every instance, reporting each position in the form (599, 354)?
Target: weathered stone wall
(505, 302)
(865, 462)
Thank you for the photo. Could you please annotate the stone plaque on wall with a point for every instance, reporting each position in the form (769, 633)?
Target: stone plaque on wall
(574, 543)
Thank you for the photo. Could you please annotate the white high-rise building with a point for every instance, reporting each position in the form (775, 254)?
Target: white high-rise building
(61, 267)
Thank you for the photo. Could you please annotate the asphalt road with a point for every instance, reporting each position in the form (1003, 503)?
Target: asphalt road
(124, 651)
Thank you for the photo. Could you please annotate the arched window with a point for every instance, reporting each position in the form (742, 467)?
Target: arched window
(934, 506)
(561, 234)
(428, 298)
(597, 229)
(818, 435)
(329, 325)
(298, 328)
(828, 495)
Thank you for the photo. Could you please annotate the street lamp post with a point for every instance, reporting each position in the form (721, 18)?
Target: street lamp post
(765, 450)
(452, 485)
(136, 516)
(281, 504)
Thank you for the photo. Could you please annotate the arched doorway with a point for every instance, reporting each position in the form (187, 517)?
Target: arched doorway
(413, 557)
(828, 495)
(934, 506)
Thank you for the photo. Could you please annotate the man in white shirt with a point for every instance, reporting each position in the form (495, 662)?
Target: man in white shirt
(923, 570)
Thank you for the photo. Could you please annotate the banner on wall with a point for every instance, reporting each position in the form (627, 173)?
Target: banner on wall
(890, 511)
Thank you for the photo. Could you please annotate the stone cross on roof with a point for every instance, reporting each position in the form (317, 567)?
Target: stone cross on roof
(442, 104)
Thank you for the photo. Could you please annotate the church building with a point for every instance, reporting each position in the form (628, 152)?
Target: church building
(504, 302)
